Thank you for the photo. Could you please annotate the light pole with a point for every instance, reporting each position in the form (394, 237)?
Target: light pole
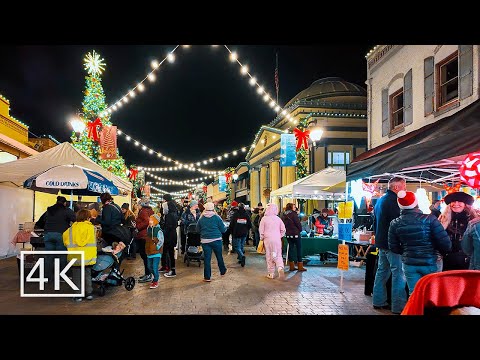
(315, 135)
(78, 125)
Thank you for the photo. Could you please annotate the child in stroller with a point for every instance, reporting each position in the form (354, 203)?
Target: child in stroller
(107, 269)
(193, 248)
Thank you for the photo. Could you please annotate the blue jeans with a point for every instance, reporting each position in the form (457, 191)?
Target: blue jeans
(54, 241)
(413, 273)
(297, 244)
(153, 263)
(216, 247)
(238, 246)
(390, 263)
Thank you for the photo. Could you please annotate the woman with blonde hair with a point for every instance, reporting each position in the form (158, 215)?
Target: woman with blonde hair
(454, 220)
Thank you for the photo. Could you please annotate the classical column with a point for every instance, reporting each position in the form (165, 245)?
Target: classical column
(254, 185)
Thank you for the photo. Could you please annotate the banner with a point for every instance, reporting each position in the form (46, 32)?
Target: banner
(108, 143)
(345, 231)
(222, 183)
(288, 154)
(146, 190)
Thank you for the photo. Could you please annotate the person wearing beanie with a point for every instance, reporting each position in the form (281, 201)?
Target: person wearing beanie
(234, 204)
(154, 247)
(419, 238)
(455, 218)
(389, 263)
(240, 225)
(170, 212)
(211, 227)
(167, 197)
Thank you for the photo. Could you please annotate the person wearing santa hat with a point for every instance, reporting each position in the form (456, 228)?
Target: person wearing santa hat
(455, 218)
(418, 237)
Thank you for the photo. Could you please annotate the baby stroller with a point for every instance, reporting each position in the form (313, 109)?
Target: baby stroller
(193, 252)
(107, 272)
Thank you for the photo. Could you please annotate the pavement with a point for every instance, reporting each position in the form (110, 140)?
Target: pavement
(242, 291)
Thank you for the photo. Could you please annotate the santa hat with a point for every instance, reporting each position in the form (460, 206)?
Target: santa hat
(406, 199)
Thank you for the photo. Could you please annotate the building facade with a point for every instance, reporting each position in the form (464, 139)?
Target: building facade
(332, 104)
(410, 86)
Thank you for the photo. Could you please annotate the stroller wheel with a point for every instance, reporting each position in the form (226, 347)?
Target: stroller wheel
(101, 290)
(129, 283)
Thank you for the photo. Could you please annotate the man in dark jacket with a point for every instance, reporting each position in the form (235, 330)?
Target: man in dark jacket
(386, 209)
(55, 221)
(418, 237)
(111, 217)
(240, 224)
(170, 211)
(190, 216)
(293, 228)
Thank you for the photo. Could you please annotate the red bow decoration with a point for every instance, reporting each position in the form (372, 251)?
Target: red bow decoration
(452, 189)
(228, 177)
(205, 189)
(133, 174)
(92, 129)
(302, 138)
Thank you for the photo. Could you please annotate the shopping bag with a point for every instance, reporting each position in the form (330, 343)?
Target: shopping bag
(261, 247)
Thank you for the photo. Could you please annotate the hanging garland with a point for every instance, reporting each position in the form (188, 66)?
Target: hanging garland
(302, 137)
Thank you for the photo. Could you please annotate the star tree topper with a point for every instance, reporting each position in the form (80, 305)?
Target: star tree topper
(93, 64)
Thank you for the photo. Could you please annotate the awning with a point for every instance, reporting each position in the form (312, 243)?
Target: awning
(430, 153)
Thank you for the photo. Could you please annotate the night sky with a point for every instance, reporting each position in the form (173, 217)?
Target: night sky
(200, 106)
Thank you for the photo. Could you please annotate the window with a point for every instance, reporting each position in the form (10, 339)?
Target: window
(396, 110)
(338, 159)
(447, 85)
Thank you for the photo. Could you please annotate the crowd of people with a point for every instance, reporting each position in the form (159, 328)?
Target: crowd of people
(413, 244)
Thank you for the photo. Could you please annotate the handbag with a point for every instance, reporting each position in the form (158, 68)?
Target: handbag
(261, 247)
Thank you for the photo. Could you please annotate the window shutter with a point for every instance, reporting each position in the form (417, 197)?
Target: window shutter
(385, 117)
(428, 85)
(466, 70)
(407, 99)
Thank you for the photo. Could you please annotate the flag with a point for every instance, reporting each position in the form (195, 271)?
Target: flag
(277, 85)
(108, 143)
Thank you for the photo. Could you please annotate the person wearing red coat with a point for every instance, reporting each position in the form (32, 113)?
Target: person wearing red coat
(143, 219)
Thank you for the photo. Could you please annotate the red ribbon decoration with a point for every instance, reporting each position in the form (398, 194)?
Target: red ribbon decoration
(205, 189)
(133, 174)
(92, 129)
(228, 177)
(302, 138)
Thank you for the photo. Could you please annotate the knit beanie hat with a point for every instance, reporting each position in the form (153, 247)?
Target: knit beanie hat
(406, 199)
(155, 218)
(234, 203)
(193, 203)
(209, 206)
(167, 197)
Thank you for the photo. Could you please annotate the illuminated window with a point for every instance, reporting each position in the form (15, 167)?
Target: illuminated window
(338, 159)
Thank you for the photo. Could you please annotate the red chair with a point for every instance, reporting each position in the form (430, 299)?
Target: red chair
(445, 289)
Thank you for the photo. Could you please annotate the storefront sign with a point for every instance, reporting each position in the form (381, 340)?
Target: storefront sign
(222, 183)
(345, 231)
(288, 155)
(343, 261)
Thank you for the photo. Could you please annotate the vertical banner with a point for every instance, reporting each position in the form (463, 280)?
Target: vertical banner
(108, 143)
(345, 210)
(288, 155)
(345, 231)
(146, 190)
(343, 261)
(222, 183)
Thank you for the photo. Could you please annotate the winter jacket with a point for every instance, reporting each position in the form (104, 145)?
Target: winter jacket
(418, 237)
(188, 218)
(271, 227)
(386, 209)
(82, 239)
(111, 216)
(154, 242)
(210, 226)
(57, 218)
(292, 223)
(471, 243)
(143, 219)
(240, 223)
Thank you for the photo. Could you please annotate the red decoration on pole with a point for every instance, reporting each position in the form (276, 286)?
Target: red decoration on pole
(228, 177)
(452, 189)
(133, 174)
(302, 138)
(92, 129)
(205, 188)
(470, 170)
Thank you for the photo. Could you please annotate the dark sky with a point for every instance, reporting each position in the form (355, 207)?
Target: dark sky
(200, 106)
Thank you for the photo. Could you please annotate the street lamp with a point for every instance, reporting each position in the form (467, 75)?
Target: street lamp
(315, 135)
(78, 125)
(235, 177)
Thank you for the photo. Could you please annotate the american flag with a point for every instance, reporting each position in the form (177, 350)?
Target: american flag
(277, 85)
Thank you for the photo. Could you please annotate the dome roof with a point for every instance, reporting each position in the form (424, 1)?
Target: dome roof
(329, 87)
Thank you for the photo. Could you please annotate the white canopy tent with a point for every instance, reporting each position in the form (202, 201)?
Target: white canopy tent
(325, 184)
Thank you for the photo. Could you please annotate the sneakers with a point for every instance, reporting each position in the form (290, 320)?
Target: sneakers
(207, 280)
(78, 299)
(170, 274)
(145, 278)
(89, 297)
(153, 284)
(270, 276)
(242, 261)
(164, 269)
(281, 274)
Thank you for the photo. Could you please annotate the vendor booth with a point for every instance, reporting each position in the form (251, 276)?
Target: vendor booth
(20, 205)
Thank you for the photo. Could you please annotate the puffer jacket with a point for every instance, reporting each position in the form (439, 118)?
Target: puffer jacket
(418, 237)
(471, 243)
(81, 237)
(292, 223)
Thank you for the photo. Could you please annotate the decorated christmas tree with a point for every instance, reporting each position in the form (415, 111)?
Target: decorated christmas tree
(92, 106)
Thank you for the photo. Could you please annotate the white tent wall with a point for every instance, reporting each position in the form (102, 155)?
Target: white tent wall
(16, 207)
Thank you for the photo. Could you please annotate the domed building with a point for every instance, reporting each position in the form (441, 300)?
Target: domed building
(334, 105)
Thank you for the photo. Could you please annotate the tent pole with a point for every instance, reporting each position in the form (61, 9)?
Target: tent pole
(71, 199)
(33, 214)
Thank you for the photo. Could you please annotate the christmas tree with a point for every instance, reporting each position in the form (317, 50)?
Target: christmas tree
(94, 105)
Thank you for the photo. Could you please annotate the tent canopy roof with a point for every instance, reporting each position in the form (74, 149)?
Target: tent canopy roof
(18, 171)
(431, 153)
(323, 183)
